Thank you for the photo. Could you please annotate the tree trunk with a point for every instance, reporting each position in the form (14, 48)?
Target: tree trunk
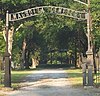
(23, 55)
(27, 60)
(35, 62)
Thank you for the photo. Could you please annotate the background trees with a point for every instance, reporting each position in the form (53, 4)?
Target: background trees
(47, 32)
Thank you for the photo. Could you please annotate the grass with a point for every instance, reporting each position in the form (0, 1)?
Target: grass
(97, 79)
(75, 77)
(1, 78)
(17, 77)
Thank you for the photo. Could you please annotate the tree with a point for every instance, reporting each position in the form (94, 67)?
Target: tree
(95, 14)
(48, 27)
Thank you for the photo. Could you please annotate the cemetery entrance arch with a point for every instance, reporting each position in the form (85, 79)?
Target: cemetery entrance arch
(11, 17)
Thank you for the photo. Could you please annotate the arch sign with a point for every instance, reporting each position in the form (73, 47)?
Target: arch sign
(80, 15)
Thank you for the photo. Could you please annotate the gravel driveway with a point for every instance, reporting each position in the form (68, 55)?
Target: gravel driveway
(53, 82)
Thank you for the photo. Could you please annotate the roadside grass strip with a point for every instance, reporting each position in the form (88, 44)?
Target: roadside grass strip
(75, 77)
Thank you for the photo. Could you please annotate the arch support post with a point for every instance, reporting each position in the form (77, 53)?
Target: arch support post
(7, 75)
(89, 51)
(90, 67)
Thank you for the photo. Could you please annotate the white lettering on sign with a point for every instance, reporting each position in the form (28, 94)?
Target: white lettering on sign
(50, 9)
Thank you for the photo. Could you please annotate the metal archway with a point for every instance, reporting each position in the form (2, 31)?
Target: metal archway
(81, 15)
(11, 17)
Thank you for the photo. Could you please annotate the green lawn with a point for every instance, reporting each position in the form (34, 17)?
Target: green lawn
(97, 79)
(75, 77)
(17, 77)
(1, 77)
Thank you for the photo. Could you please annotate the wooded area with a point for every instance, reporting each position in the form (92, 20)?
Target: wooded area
(37, 37)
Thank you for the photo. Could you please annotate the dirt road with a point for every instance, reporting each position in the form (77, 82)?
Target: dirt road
(50, 83)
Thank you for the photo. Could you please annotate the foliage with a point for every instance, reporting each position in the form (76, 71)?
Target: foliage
(95, 9)
(2, 41)
(46, 31)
